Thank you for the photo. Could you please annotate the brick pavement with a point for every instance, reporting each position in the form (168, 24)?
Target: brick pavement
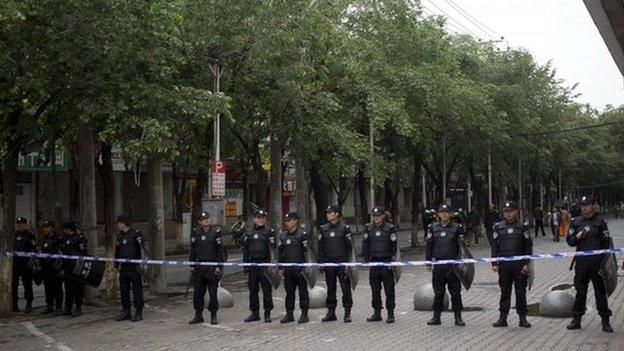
(165, 326)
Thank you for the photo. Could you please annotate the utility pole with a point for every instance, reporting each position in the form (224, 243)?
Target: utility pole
(424, 188)
(520, 189)
(489, 178)
(444, 168)
(372, 178)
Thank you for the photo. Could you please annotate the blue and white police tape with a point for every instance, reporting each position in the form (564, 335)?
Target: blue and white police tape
(558, 255)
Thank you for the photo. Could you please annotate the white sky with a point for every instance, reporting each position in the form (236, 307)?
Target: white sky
(558, 30)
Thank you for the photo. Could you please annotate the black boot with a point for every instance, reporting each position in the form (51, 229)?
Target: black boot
(435, 320)
(28, 308)
(347, 315)
(213, 318)
(267, 316)
(523, 322)
(501, 322)
(49, 309)
(288, 318)
(575, 324)
(458, 320)
(376, 317)
(199, 318)
(67, 311)
(58, 311)
(304, 317)
(390, 318)
(253, 317)
(124, 316)
(138, 316)
(330, 316)
(606, 326)
(15, 308)
(77, 311)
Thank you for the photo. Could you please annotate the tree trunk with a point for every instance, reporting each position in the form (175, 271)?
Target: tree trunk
(246, 200)
(276, 183)
(198, 194)
(108, 180)
(362, 192)
(9, 182)
(320, 193)
(87, 204)
(131, 192)
(156, 222)
(416, 202)
(301, 195)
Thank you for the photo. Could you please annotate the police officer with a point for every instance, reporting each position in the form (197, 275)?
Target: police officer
(589, 232)
(512, 238)
(335, 246)
(129, 245)
(293, 248)
(443, 244)
(258, 241)
(25, 241)
(379, 244)
(206, 246)
(52, 282)
(73, 243)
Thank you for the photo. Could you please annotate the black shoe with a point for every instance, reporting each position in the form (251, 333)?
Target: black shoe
(288, 318)
(253, 317)
(58, 312)
(524, 323)
(47, 310)
(28, 308)
(459, 321)
(197, 319)
(376, 317)
(77, 312)
(124, 316)
(347, 315)
(435, 320)
(390, 318)
(304, 317)
(501, 322)
(67, 312)
(330, 316)
(606, 326)
(15, 309)
(575, 324)
(213, 318)
(138, 316)
(267, 316)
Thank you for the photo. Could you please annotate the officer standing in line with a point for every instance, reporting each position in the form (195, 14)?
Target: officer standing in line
(129, 245)
(512, 238)
(206, 246)
(258, 242)
(24, 241)
(379, 244)
(335, 246)
(293, 248)
(73, 243)
(589, 232)
(443, 244)
(52, 283)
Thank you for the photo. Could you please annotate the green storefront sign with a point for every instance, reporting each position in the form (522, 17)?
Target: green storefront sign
(34, 162)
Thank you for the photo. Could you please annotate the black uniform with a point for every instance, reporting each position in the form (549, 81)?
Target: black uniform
(443, 244)
(379, 244)
(24, 241)
(51, 269)
(130, 246)
(75, 244)
(335, 246)
(293, 248)
(206, 246)
(512, 239)
(257, 245)
(596, 236)
(539, 222)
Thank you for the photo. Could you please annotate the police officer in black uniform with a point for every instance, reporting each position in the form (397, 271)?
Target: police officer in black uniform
(129, 245)
(589, 232)
(512, 238)
(24, 241)
(52, 282)
(206, 246)
(379, 244)
(335, 246)
(443, 240)
(73, 243)
(258, 241)
(293, 248)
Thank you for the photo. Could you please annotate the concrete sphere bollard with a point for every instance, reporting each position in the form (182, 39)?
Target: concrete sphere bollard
(557, 303)
(317, 295)
(225, 298)
(423, 298)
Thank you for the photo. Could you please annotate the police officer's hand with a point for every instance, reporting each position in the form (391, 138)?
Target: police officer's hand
(217, 271)
(525, 270)
(246, 269)
(495, 269)
(192, 269)
(430, 268)
(281, 273)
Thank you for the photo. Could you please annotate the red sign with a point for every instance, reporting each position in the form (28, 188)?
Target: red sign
(218, 167)
(218, 178)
